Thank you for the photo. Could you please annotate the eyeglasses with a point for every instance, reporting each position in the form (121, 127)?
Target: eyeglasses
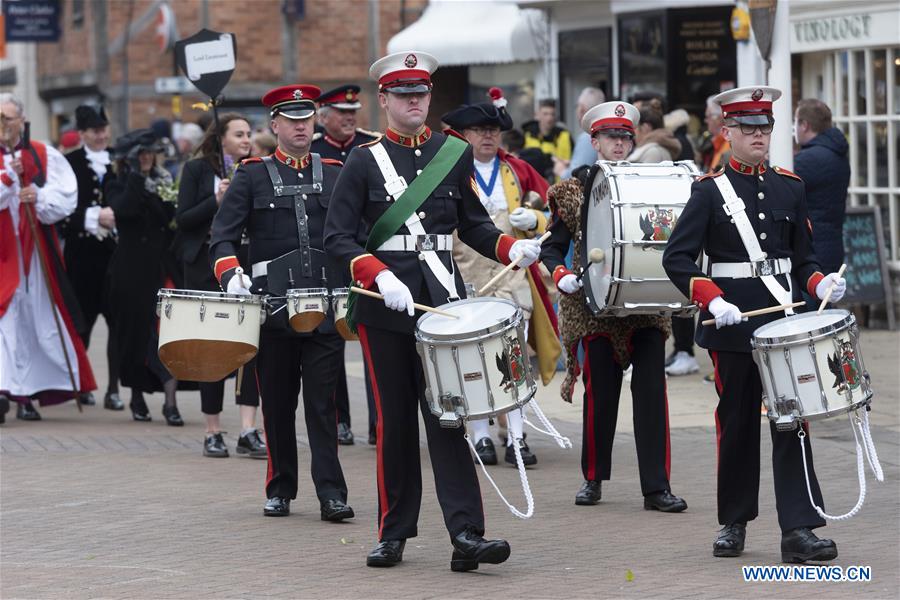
(751, 129)
(5, 119)
(485, 131)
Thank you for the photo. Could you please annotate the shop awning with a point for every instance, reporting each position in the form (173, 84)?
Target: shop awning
(464, 32)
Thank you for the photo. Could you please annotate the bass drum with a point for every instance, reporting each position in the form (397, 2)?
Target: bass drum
(629, 214)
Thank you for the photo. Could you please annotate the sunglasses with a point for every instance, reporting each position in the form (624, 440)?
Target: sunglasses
(751, 129)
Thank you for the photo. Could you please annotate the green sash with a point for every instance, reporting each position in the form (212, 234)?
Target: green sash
(409, 202)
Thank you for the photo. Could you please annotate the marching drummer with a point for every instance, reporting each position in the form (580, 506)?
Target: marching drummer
(610, 343)
(281, 201)
(426, 180)
(751, 221)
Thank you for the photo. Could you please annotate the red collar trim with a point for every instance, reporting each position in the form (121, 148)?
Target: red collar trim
(291, 161)
(410, 142)
(339, 145)
(746, 169)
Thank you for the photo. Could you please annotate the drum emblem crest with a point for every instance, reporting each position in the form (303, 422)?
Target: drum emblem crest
(657, 224)
(844, 367)
(511, 365)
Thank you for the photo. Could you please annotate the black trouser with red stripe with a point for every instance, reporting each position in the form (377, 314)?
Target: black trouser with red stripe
(398, 384)
(603, 383)
(737, 431)
(283, 363)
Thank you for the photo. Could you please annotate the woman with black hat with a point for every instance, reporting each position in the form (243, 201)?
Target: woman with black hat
(139, 268)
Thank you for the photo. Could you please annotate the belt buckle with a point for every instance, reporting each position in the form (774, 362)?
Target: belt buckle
(764, 268)
(425, 243)
(395, 187)
(734, 207)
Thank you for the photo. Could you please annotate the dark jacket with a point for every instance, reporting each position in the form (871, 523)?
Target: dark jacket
(196, 208)
(824, 166)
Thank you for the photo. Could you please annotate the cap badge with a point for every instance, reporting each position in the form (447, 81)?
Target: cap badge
(757, 95)
(349, 95)
(410, 61)
(620, 110)
(298, 94)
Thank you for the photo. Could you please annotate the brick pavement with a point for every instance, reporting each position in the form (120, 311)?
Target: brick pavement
(96, 505)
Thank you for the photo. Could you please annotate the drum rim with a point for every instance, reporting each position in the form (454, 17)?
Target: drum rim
(765, 341)
(471, 336)
(308, 292)
(171, 294)
(862, 403)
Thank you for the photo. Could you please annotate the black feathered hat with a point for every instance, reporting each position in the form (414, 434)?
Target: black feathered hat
(88, 117)
(481, 114)
(134, 141)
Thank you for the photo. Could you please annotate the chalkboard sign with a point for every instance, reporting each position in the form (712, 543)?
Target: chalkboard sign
(867, 278)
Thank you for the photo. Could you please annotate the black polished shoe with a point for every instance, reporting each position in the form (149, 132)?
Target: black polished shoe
(4, 408)
(372, 438)
(139, 410)
(528, 457)
(335, 510)
(111, 401)
(664, 501)
(27, 412)
(386, 553)
(276, 506)
(486, 452)
(173, 417)
(589, 494)
(344, 435)
(251, 445)
(730, 541)
(87, 399)
(214, 446)
(470, 548)
(801, 544)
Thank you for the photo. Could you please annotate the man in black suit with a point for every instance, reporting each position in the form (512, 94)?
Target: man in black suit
(89, 235)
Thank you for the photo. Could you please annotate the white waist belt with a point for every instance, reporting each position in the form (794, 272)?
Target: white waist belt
(260, 269)
(746, 270)
(417, 243)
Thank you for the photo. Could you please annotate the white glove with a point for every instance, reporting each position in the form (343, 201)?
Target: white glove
(840, 286)
(396, 295)
(523, 219)
(725, 313)
(239, 284)
(529, 249)
(569, 284)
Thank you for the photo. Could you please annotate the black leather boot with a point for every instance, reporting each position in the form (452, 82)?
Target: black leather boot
(386, 553)
(470, 548)
(801, 544)
(589, 494)
(730, 541)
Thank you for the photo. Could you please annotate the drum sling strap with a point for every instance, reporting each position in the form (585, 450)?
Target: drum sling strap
(299, 194)
(735, 208)
(407, 200)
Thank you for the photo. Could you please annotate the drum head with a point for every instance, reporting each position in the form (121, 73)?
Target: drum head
(597, 234)
(476, 317)
(803, 325)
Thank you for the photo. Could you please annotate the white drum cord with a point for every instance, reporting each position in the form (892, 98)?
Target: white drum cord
(561, 440)
(526, 489)
(863, 426)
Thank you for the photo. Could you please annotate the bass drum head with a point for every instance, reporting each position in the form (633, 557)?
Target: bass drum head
(597, 233)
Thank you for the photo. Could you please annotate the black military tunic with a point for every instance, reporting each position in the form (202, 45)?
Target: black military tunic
(328, 147)
(87, 258)
(273, 224)
(775, 201)
(386, 335)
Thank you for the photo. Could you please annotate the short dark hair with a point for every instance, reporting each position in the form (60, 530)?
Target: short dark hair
(652, 99)
(513, 140)
(816, 113)
(547, 103)
(652, 117)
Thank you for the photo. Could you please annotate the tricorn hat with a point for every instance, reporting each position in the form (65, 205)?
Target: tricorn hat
(88, 117)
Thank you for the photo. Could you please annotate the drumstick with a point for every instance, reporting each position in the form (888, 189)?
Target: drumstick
(436, 311)
(760, 311)
(831, 289)
(509, 268)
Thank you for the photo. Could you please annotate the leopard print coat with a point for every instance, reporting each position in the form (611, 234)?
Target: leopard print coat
(576, 321)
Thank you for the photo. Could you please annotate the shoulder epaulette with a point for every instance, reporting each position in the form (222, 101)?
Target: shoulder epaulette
(375, 141)
(711, 175)
(252, 159)
(786, 173)
(332, 161)
(317, 136)
(374, 134)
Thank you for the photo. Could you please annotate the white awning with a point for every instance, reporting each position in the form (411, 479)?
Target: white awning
(466, 32)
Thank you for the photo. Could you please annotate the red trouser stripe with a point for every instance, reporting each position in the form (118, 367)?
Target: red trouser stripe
(379, 429)
(591, 440)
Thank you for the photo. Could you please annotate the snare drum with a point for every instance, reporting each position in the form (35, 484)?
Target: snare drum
(339, 299)
(811, 367)
(204, 336)
(307, 308)
(475, 366)
(630, 215)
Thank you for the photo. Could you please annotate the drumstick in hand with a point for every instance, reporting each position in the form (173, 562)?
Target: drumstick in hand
(509, 267)
(760, 311)
(827, 297)
(430, 309)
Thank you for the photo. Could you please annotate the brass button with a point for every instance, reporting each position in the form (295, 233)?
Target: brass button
(418, 152)
(421, 257)
(732, 220)
(761, 178)
(301, 175)
(761, 195)
(387, 198)
(763, 235)
(271, 205)
(418, 171)
(343, 153)
(762, 216)
(304, 196)
(451, 194)
(422, 214)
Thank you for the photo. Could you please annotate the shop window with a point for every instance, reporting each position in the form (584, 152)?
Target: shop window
(585, 60)
(896, 55)
(77, 14)
(842, 76)
(860, 171)
(879, 81)
(880, 134)
(859, 82)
